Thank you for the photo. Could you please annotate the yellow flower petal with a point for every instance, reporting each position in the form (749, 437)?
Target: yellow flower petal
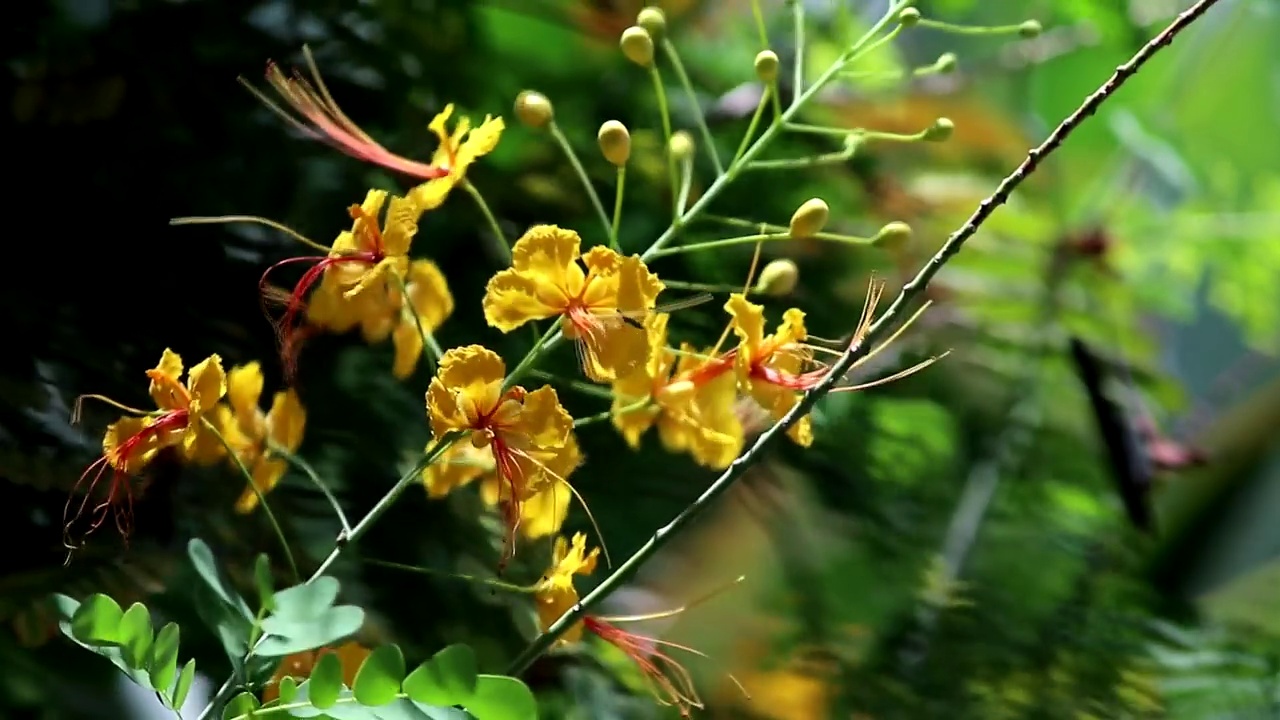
(139, 455)
(166, 382)
(547, 254)
(287, 420)
(468, 382)
(544, 513)
(543, 420)
(400, 226)
(266, 473)
(207, 383)
(204, 448)
(480, 142)
(512, 299)
(459, 465)
(244, 387)
(407, 343)
(429, 293)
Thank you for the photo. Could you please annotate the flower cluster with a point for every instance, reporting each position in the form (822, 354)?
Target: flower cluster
(488, 422)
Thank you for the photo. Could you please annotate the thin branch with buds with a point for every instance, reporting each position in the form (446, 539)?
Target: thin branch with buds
(884, 325)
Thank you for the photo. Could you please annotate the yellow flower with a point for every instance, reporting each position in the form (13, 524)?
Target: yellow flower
(282, 425)
(693, 408)
(600, 308)
(555, 593)
(357, 264)
(541, 515)
(131, 442)
(430, 302)
(381, 311)
(205, 386)
(455, 155)
(768, 368)
(544, 512)
(364, 254)
(527, 433)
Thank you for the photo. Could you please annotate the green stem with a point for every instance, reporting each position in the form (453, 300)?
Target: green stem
(617, 206)
(760, 28)
(305, 467)
(585, 179)
(752, 239)
(608, 414)
(713, 191)
(701, 287)
(797, 16)
(771, 228)
(428, 340)
(968, 29)
(488, 216)
(686, 185)
(703, 129)
(414, 475)
(453, 576)
(751, 127)
(544, 343)
(661, 93)
(262, 500)
(577, 385)
(835, 158)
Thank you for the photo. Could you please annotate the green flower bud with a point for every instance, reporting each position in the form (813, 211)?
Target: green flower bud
(534, 109)
(653, 20)
(893, 237)
(946, 63)
(615, 142)
(767, 66)
(682, 146)
(637, 45)
(940, 130)
(778, 278)
(1030, 29)
(809, 219)
(908, 17)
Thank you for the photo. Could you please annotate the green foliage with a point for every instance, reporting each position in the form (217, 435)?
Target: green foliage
(128, 640)
(382, 691)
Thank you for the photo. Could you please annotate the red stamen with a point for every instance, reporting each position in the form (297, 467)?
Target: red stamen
(509, 478)
(331, 126)
(712, 369)
(288, 337)
(671, 682)
(119, 500)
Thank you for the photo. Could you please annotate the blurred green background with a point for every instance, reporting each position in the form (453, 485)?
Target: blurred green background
(953, 545)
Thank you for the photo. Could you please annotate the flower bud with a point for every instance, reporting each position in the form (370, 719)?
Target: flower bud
(681, 147)
(940, 130)
(637, 45)
(946, 63)
(767, 66)
(809, 219)
(778, 278)
(534, 109)
(908, 17)
(893, 237)
(653, 20)
(615, 142)
(1030, 29)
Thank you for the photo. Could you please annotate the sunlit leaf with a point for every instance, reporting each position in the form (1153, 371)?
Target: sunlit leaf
(163, 665)
(183, 686)
(448, 678)
(378, 680)
(326, 681)
(97, 621)
(136, 635)
(502, 698)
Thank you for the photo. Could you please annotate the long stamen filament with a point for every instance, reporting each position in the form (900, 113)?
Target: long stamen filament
(220, 219)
